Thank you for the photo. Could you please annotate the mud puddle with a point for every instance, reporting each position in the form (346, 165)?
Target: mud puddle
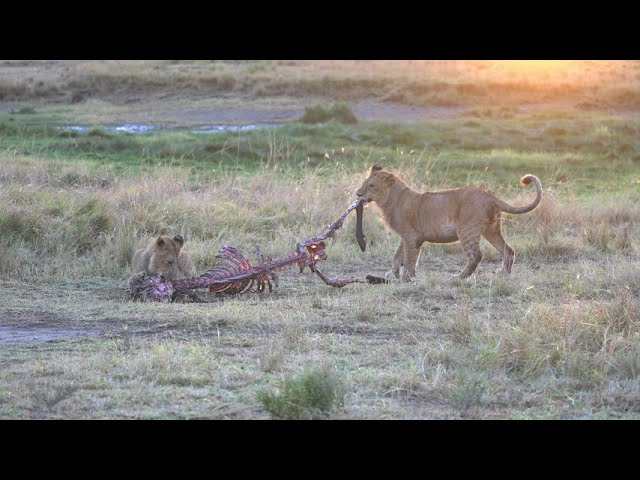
(232, 128)
(134, 128)
(23, 335)
(126, 128)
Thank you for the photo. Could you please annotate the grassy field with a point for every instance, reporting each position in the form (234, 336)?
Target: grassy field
(558, 339)
(588, 84)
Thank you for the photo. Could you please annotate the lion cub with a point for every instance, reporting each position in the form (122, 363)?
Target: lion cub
(164, 255)
(446, 216)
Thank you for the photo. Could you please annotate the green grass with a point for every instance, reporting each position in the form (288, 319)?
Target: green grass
(465, 152)
(556, 339)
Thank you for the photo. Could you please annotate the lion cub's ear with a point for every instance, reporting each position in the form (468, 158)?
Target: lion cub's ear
(179, 240)
(389, 179)
(375, 168)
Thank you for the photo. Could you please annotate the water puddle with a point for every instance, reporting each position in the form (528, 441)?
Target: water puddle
(135, 128)
(74, 128)
(232, 128)
(126, 128)
(22, 335)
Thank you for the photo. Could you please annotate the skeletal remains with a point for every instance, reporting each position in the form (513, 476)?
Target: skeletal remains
(234, 274)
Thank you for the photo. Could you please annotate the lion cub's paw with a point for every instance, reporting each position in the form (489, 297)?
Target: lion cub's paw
(391, 275)
(408, 279)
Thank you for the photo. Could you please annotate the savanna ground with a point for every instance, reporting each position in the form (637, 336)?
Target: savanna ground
(559, 338)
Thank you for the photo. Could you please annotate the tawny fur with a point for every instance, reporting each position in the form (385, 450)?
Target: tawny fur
(164, 255)
(445, 216)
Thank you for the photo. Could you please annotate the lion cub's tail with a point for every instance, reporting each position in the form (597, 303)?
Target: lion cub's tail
(526, 180)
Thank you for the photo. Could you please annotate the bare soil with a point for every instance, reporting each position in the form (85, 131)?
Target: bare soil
(368, 110)
(197, 113)
(36, 326)
(26, 335)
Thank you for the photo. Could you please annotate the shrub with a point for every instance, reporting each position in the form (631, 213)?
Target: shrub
(319, 114)
(25, 111)
(97, 132)
(313, 394)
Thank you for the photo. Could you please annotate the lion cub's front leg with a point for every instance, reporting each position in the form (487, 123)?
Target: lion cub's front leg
(398, 260)
(411, 255)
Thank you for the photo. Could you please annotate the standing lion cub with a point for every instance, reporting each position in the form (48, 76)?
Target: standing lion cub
(446, 216)
(164, 255)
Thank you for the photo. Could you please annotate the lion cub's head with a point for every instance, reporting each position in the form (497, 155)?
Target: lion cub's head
(164, 259)
(377, 186)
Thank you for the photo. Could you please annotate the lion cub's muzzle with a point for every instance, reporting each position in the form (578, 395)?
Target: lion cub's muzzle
(364, 200)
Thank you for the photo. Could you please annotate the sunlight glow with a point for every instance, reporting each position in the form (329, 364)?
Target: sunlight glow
(570, 71)
(531, 70)
(535, 66)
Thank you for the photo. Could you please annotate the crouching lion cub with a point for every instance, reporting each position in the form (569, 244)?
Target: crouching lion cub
(446, 216)
(164, 255)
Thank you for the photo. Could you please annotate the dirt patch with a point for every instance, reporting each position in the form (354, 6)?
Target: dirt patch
(211, 114)
(30, 318)
(278, 114)
(31, 326)
(398, 113)
(28, 335)
(364, 110)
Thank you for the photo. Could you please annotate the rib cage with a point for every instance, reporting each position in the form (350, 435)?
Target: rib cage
(234, 264)
(233, 274)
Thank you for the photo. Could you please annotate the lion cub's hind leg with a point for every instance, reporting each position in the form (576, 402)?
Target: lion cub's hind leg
(493, 234)
(470, 241)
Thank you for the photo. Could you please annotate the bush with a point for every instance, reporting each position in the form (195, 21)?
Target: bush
(97, 132)
(314, 394)
(319, 114)
(24, 110)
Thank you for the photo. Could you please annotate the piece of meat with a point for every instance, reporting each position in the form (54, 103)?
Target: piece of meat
(362, 241)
